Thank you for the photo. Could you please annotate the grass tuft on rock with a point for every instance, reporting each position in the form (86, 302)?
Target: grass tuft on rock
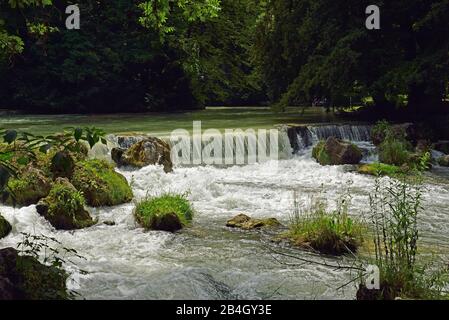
(328, 232)
(169, 212)
(64, 207)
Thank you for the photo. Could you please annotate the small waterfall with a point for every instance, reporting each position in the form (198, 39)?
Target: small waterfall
(234, 148)
(303, 137)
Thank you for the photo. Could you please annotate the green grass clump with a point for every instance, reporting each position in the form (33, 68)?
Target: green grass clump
(394, 152)
(395, 206)
(101, 184)
(151, 211)
(327, 232)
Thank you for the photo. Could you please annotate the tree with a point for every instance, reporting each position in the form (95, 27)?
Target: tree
(111, 64)
(309, 48)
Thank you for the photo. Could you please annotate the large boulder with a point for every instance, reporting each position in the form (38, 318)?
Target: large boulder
(336, 152)
(100, 184)
(147, 152)
(64, 207)
(5, 227)
(242, 221)
(28, 187)
(166, 213)
(25, 278)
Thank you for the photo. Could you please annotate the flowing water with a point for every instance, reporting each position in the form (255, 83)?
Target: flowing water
(210, 261)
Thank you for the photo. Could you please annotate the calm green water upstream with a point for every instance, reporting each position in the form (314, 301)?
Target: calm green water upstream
(163, 124)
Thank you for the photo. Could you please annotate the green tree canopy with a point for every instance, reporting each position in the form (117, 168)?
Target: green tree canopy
(308, 48)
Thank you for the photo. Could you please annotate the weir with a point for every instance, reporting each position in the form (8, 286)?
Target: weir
(303, 137)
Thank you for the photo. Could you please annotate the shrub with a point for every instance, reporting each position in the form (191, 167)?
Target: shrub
(395, 206)
(101, 184)
(327, 232)
(168, 212)
(394, 152)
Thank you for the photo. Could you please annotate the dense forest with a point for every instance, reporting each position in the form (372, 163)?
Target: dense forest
(161, 55)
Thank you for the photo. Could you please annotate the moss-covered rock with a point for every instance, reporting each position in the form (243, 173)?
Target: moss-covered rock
(147, 152)
(28, 187)
(101, 184)
(380, 169)
(64, 207)
(5, 227)
(25, 278)
(334, 151)
(166, 213)
(242, 221)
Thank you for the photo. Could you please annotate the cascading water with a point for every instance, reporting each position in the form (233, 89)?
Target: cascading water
(208, 260)
(302, 138)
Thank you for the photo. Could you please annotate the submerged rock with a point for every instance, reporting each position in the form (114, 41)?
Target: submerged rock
(444, 161)
(336, 152)
(5, 227)
(442, 146)
(28, 188)
(25, 278)
(147, 152)
(100, 184)
(64, 207)
(242, 221)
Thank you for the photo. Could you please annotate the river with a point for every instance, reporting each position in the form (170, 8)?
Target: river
(208, 260)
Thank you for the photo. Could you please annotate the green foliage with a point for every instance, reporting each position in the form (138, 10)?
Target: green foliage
(308, 48)
(380, 169)
(394, 152)
(333, 232)
(52, 253)
(162, 14)
(395, 207)
(22, 148)
(150, 210)
(100, 184)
